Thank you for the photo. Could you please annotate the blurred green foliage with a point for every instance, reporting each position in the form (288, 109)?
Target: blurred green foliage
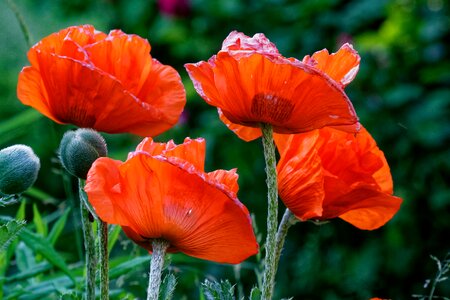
(401, 94)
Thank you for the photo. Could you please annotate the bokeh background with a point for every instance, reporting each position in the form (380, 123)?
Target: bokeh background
(401, 94)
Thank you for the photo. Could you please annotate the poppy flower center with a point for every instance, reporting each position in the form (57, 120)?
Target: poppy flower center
(271, 108)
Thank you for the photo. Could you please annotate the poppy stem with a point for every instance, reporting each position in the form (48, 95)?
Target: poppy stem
(272, 214)
(104, 263)
(89, 245)
(288, 220)
(159, 250)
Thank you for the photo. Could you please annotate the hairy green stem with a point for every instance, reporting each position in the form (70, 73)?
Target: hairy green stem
(103, 258)
(272, 214)
(288, 220)
(23, 25)
(159, 250)
(89, 246)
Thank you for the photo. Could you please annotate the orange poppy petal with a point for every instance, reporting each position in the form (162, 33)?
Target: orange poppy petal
(363, 157)
(229, 179)
(103, 189)
(93, 99)
(300, 175)
(293, 98)
(93, 80)
(31, 91)
(126, 57)
(202, 76)
(191, 151)
(67, 42)
(341, 66)
(365, 209)
(164, 92)
(162, 200)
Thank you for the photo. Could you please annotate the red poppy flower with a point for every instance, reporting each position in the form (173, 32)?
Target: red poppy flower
(329, 173)
(108, 82)
(162, 191)
(251, 83)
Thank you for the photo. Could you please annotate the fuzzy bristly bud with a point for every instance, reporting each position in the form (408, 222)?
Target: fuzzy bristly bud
(19, 167)
(79, 149)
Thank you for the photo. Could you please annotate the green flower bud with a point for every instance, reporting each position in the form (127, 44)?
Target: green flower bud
(79, 149)
(19, 167)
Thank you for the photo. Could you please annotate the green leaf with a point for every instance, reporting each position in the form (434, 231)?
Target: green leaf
(167, 287)
(9, 231)
(218, 291)
(58, 227)
(41, 246)
(41, 226)
(113, 236)
(127, 266)
(255, 294)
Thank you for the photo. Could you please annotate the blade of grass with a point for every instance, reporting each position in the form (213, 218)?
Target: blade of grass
(58, 227)
(113, 236)
(41, 226)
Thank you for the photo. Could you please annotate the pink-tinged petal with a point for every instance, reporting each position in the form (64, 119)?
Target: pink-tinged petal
(238, 43)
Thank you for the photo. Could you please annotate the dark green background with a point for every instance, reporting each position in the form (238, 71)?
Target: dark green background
(401, 94)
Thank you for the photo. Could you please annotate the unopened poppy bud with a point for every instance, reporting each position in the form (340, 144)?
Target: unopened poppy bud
(79, 149)
(19, 167)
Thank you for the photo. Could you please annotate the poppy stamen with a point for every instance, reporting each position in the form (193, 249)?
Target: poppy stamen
(271, 108)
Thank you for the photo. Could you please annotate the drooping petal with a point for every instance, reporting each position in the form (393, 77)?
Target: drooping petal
(341, 66)
(364, 208)
(354, 183)
(300, 175)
